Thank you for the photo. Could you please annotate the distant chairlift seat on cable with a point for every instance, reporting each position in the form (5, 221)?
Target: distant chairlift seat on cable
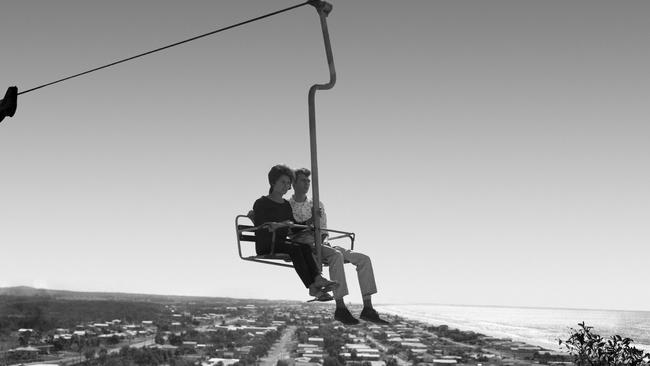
(245, 230)
(8, 103)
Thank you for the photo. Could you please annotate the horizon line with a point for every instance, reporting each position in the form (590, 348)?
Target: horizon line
(377, 304)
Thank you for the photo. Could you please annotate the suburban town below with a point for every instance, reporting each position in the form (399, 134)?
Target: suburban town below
(225, 332)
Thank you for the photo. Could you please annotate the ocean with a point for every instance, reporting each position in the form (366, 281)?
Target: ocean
(537, 326)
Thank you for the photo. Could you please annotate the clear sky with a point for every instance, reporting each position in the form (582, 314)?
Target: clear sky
(485, 152)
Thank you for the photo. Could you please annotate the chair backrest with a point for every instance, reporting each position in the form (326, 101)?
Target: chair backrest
(245, 235)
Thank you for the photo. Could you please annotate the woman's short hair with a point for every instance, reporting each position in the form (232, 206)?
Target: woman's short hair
(279, 170)
(302, 171)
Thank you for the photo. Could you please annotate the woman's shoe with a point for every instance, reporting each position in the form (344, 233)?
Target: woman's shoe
(315, 291)
(323, 296)
(322, 282)
(330, 287)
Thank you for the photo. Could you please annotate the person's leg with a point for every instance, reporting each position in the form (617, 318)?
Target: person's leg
(367, 283)
(367, 301)
(365, 273)
(302, 254)
(305, 266)
(334, 259)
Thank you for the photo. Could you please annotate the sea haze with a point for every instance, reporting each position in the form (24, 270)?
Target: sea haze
(538, 326)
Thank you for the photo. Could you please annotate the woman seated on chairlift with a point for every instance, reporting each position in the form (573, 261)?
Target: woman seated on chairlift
(274, 212)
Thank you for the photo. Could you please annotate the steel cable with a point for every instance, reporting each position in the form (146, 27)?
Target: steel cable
(166, 47)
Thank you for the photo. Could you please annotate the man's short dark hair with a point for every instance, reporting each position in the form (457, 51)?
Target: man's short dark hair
(279, 170)
(303, 171)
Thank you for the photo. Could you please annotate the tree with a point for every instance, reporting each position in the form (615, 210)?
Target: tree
(591, 349)
(302, 337)
(393, 351)
(113, 361)
(59, 344)
(410, 355)
(331, 361)
(175, 340)
(89, 353)
(353, 355)
(103, 354)
(124, 351)
(180, 362)
(23, 340)
(332, 343)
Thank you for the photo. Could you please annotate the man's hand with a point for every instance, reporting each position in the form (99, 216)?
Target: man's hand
(320, 212)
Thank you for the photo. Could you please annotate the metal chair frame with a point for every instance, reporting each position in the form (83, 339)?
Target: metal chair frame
(246, 233)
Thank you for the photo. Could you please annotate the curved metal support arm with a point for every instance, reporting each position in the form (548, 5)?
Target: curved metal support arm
(323, 8)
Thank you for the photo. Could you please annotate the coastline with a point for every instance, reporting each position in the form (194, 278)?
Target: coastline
(490, 321)
(424, 343)
(547, 346)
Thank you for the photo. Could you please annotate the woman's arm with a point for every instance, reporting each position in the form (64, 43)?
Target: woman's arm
(272, 226)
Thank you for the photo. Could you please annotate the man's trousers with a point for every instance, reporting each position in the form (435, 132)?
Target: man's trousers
(335, 257)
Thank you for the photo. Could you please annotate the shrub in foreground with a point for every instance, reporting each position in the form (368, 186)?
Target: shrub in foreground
(590, 349)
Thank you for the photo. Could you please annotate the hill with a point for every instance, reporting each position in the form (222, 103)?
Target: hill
(41, 309)
(26, 291)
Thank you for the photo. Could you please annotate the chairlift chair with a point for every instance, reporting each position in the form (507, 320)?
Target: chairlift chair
(245, 230)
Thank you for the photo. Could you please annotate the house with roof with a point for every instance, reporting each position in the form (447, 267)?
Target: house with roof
(24, 353)
(309, 350)
(362, 351)
(319, 341)
(189, 344)
(214, 361)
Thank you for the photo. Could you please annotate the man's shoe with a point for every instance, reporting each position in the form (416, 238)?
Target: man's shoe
(343, 315)
(371, 315)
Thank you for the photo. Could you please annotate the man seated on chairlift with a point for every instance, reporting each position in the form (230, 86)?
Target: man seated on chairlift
(335, 256)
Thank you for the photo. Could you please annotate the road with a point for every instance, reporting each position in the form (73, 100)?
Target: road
(280, 350)
(146, 341)
(59, 361)
(383, 348)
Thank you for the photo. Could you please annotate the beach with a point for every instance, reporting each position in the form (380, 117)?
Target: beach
(536, 326)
